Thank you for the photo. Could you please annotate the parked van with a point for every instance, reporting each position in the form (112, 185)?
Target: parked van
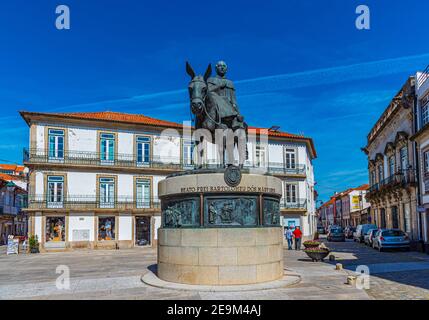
(361, 230)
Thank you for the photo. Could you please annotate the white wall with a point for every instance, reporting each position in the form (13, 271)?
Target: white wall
(83, 223)
(167, 148)
(40, 137)
(125, 227)
(82, 139)
(39, 183)
(125, 184)
(81, 183)
(157, 225)
(126, 143)
(38, 226)
(275, 153)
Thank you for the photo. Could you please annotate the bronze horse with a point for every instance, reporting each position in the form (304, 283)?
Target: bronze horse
(207, 110)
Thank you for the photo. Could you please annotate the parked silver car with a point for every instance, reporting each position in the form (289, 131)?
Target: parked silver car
(369, 236)
(391, 238)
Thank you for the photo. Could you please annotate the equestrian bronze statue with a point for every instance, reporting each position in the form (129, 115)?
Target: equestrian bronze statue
(214, 104)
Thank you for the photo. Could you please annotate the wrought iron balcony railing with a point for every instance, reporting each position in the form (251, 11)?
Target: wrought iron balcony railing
(84, 158)
(9, 210)
(83, 202)
(280, 168)
(297, 204)
(401, 178)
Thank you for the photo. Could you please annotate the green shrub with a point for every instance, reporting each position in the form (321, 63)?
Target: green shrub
(33, 243)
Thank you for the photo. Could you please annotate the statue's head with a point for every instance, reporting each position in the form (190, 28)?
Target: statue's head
(221, 68)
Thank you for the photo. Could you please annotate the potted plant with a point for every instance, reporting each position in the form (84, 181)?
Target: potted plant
(33, 244)
(317, 254)
(311, 244)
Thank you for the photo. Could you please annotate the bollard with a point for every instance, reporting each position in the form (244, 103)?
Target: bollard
(331, 257)
(338, 266)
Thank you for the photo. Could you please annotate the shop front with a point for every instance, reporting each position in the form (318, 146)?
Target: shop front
(143, 234)
(55, 232)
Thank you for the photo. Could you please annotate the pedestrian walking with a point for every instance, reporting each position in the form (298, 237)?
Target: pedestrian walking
(297, 235)
(289, 237)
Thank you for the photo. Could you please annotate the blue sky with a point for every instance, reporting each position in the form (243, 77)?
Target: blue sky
(301, 65)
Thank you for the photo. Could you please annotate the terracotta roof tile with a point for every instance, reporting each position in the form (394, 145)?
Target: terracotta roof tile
(120, 117)
(362, 187)
(13, 167)
(8, 177)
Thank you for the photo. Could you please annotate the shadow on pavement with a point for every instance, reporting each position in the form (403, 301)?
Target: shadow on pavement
(409, 268)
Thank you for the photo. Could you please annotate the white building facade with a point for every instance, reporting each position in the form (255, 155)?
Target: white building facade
(94, 177)
(421, 137)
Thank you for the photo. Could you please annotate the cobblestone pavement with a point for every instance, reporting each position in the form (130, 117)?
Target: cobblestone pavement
(394, 274)
(116, 274)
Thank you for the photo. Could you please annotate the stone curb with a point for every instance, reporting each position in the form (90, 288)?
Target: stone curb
(288, 279)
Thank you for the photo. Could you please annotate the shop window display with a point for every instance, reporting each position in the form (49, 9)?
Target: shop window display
(55, 229)
(106, 228)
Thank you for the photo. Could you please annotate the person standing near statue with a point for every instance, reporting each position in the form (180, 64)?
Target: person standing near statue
(297, 235)
(289, 238)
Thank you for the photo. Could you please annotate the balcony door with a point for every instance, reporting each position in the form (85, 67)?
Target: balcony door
(55, 192)
(143, 193)
(395, 217)
(188, 153)
(107, 193)
(391, 166)
(56, 144)
(143, 151)
(260, 155)
(404, 158)
(107, 148)
(382, 218)
(290, 158)
(380, 173)
(291, 194)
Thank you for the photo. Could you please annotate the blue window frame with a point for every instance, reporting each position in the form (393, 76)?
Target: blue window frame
(55, 194)
(188, 153)
(56, 143)
(107, 147)
(143, 150)
(143, 193)
(107, 192)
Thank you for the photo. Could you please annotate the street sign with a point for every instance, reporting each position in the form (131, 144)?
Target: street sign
(12, 246)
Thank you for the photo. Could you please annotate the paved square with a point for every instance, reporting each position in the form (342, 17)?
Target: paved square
(115, 274)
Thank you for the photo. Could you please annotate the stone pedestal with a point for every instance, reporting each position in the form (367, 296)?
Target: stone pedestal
(220, 256)
(215, 234)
